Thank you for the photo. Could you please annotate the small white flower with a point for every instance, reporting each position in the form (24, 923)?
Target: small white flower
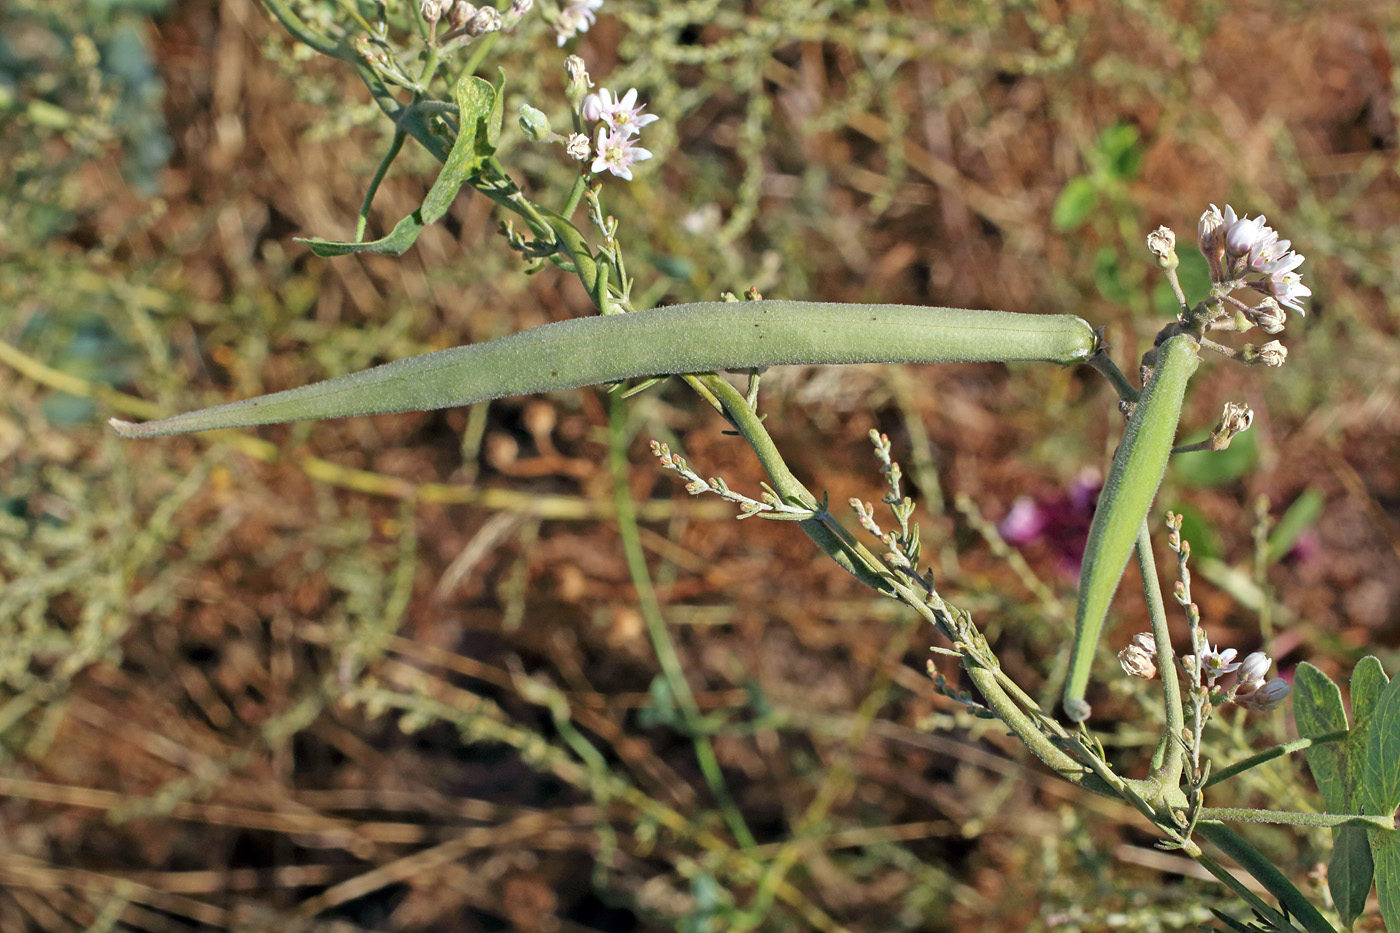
(617, 154)
(575, 18)
(621, 114)
(1241, 235)
(1253, 670)
(1216, 663)
(1289, 290)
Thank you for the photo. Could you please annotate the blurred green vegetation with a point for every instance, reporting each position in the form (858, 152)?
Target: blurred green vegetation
(395, 672)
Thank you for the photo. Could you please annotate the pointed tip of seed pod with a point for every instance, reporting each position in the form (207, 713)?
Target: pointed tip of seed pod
(125, 428)
(1077, 710)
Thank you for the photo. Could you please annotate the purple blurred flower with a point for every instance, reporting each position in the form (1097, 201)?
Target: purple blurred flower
(1058, 522)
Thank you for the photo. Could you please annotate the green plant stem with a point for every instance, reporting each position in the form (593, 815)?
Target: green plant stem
(575, 195)
(1277, 751)
(1102, 362)
(305, 34)
(394, 146)
(1251, 860)
(1173, 763)
(665, 649)
(1295, 818)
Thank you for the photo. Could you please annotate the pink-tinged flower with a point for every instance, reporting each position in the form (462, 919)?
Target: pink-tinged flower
(1216, 663)
(1241, 235)
(575, 18)
(621, 114)
(1288, 289)
(617, 154)
(1271, 256)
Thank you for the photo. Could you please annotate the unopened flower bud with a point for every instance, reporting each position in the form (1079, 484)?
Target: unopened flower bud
(1137, 663)
(1267, 316)
(592, 108)
(1210, 237)
(462, 13)
(578, 82)
(1234, 419)
(1266, 698)
(534, 123)
(578, 147)
(1253, 670)
(1162, 244)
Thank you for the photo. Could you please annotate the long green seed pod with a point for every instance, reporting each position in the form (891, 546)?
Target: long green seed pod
(1127, 496)
(690, 338)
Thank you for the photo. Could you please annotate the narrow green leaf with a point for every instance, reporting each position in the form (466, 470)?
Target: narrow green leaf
(1382, 776)
(1349, 872)
(477, 105)
(1300, 516)
(1385, 852)
(496, 112)
(1317, 708)
(1077, 199)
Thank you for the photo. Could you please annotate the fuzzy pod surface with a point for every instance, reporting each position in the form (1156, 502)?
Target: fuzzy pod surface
(688, 338)
(1137, 470)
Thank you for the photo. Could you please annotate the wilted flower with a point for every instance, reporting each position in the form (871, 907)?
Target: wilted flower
(617, 154)
(1266, 698)
(578, 147)
(1272, 353)
(1216, 663)
(1234, 419)
(432, 10)
(1146, 642)
(1137, 663)
(1267, 316)
(575, 18)
(462, 12)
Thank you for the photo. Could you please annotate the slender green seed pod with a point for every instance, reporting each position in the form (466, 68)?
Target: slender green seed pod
(1127, 496)
(690, 338)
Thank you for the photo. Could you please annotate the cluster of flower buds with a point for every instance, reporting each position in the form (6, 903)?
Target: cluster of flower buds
(619, 120)
(574, 18)
(1252, 688)
(1245, 252)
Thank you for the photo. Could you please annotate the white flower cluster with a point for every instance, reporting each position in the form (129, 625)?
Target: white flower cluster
(1251, 689)
(575, 18)
(1245, 252)
(620, 119)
